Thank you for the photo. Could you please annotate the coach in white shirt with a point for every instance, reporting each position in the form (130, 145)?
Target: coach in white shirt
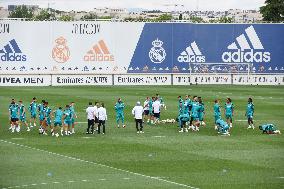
(91, 112)
(102, 117)
(156, 110)
(137, 111)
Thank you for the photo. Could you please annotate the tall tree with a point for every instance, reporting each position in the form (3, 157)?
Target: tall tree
(273, 11)
(44, 15)
(21, 12)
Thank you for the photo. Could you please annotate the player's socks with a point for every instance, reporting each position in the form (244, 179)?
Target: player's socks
(73, 131)
(249, 127)
(252, 126)
(28, 129)
(196, 128)
(231, 125)
(165, 107)
(34, 124)
(61, 132)
(118, 126)
(216, 127)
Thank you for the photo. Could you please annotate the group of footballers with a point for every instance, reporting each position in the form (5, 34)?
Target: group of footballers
(191, 112)
(65, 119)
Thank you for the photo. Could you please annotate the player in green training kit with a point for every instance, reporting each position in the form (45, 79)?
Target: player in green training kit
(195, 114)
(119, 109)
(58, 114)
(67, 117)
(229, 112)
(201, 112)
(41, 110)
(47, 119)
(33, 109)
(14, 118)
(73, 118)
(217, 112)
(22, 111)
(249, 113)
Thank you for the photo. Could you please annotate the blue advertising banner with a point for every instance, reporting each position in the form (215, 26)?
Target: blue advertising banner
(209, 48)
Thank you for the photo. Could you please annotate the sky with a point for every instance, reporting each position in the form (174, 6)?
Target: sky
(166, 5)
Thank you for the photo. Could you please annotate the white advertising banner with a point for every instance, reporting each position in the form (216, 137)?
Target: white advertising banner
(25, 80)
(258, 80)
(142, 79)
(67, 47)
(201, 79)
(61, 80)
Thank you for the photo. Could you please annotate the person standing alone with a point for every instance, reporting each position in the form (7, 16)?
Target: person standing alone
(137, 111)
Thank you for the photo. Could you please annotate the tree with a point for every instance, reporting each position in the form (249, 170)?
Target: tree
(164, 17)
(273, 11)
(196, 19)
(90, 16)
(66, 18)
(44, 15)
(21, 12)
(225, 19)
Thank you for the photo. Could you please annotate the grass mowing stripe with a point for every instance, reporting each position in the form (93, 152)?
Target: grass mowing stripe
(102, 165)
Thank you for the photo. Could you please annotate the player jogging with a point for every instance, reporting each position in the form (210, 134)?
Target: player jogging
(119, 109)
(22, 111)
(58, 114)
(249, 113)
(217, 112)
(229, 112)
(67, 116)
(11, 104)
(33, 110)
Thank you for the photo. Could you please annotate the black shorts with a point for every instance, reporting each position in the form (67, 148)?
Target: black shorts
(96, 120)
(14, 119)
(157, 115)
(146, 112)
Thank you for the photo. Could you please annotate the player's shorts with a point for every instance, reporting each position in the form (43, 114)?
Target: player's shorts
(41, 117)
(229, 116)
(72, 120)
(67, 122)
(33, 115)
(250, 116)
(157, 115)
(14, 119)
(146, 112)
(23, 118)
(48, 121)
(96, 120)
(195, 118)
(201, 117)
(57, 123)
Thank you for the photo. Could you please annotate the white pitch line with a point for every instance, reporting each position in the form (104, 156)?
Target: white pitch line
(159, 136)
(107, 166)
(17, 138)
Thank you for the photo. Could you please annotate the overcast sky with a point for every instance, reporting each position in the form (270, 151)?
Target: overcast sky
(145, 4)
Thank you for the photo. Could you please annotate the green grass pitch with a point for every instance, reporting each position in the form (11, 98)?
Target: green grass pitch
(159, 158)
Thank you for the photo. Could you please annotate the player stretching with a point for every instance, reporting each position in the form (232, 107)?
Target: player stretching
(146, 114)
(249, 113)
(73, 118)
(229, 112)
(32, 109)
(217, 112)
(195, 114)
(67, 116)
(119, 108)
(58, 114)
(13, 114)
(222, 127)
(22, 110)
(202, 112)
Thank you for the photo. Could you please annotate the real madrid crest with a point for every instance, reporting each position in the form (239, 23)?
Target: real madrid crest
(157, 53)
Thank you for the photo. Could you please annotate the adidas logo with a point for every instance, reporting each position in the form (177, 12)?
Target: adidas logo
(191, 54)
(12, 52)
(99, 53)
(242, 51)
